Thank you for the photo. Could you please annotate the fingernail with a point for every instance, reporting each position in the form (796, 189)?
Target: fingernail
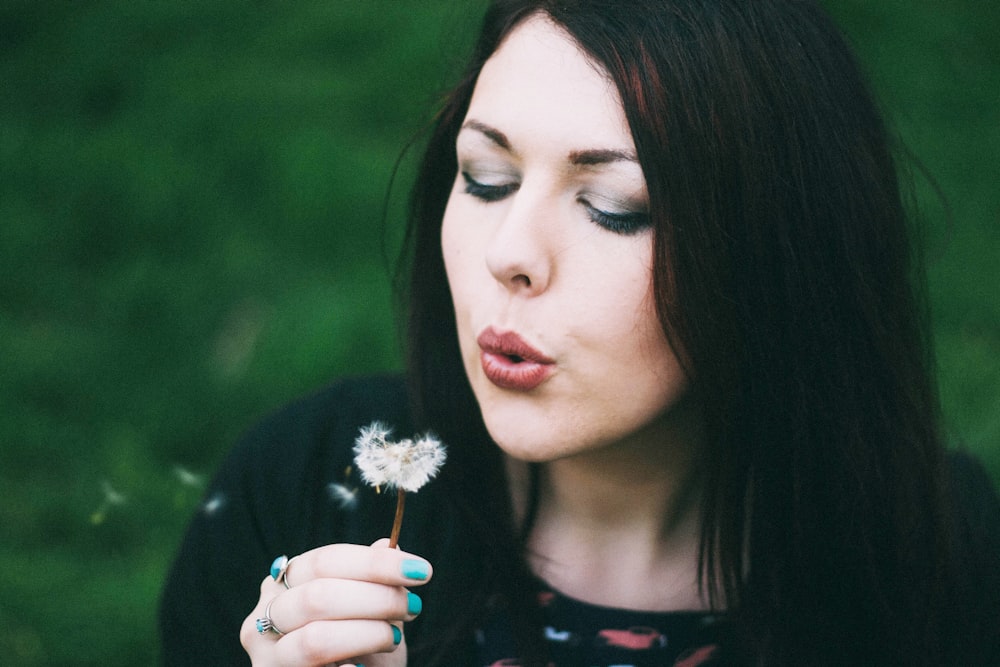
(413, 603)
(397, 636)
(415, 569)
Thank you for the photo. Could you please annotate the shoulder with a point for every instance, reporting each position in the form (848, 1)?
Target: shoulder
(976, 539)
(321, 425)
(287, 469)
(343, 404)
(976, 506)
(972, 489)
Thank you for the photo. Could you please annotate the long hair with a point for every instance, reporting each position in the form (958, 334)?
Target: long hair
(785, 280)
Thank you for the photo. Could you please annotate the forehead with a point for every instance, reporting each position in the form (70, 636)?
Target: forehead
(541, 84)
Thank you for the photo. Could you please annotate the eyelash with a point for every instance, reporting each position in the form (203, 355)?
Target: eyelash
(619, 223)
(487, 193)
(625, 224)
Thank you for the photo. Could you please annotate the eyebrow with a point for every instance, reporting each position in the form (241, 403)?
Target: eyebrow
(491, 133)
(601, 156)
(581, 158)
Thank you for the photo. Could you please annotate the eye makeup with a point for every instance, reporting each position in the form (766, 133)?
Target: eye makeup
(487, 160)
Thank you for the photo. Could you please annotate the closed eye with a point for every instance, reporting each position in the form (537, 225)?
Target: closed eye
(485, 192)
(625, 223)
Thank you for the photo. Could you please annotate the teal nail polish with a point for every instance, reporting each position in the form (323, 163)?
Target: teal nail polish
(397, 636)
(415, 569)
(414, 604)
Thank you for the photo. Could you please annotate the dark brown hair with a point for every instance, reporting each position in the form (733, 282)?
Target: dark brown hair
(785, 279)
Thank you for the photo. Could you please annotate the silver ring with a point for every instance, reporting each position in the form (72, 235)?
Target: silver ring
(279, 569)
(265, 624)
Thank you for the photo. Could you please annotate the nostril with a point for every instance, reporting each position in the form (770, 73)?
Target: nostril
(523, 279)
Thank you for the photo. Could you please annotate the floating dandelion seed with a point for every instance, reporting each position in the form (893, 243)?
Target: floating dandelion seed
(345, 496)
(213, 503)
(405, 465)
(111, 499)
(111, 496)
(188, 478)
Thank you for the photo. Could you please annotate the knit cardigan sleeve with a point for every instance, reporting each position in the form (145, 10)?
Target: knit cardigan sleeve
(285, 488)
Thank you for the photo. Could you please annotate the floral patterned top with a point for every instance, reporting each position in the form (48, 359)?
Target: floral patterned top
(579, 634)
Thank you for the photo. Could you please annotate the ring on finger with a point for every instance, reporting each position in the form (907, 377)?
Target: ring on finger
(279, 569)
(265, 624)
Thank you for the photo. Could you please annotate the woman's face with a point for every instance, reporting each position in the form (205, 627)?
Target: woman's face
(548, 252)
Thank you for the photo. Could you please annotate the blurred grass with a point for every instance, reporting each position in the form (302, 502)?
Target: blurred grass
(937, 73)
(190, 234)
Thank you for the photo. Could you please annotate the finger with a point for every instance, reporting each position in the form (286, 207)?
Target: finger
(397, 658)
(351, 561)
(251, 637)
(342, 599)
(324, 642)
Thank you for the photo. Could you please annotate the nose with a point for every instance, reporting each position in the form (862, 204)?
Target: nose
(518, 254)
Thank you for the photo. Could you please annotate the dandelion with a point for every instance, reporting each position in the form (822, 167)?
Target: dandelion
(405, 465)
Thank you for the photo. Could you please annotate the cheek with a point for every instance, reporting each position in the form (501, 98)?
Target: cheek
(453, 250)
(458, 252)
(457, 230)
(463, 244)
(633, 338)
(616, 301)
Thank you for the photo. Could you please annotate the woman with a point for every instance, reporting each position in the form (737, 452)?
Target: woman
(661, 315)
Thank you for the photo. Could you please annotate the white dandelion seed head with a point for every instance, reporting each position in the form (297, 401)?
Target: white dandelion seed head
(407, 464)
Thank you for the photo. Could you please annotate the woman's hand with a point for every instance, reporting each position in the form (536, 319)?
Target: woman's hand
(345, 605)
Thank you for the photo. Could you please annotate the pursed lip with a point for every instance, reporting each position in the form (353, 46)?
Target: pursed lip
(509, 362)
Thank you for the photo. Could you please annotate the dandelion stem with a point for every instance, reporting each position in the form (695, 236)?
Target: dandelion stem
(405, 465)
(397, 523)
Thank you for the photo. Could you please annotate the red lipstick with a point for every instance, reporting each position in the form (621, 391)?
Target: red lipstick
(511, 363)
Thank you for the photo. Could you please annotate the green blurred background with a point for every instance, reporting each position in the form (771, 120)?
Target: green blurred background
(191, 233)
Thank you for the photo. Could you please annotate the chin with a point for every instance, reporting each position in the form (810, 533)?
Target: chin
(536, 441)
(523, 437)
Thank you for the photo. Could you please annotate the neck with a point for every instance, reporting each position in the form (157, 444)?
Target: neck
(619, 526)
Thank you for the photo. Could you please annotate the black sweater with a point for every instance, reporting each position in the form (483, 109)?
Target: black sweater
(285, 489)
